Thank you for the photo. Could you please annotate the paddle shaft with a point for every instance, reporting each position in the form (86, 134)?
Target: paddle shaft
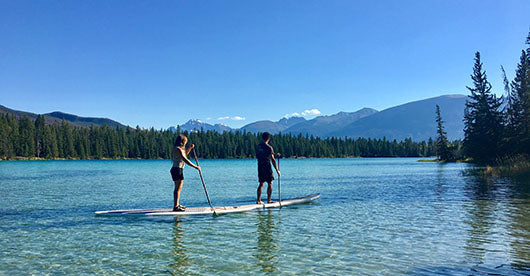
(279, 194)
(202, 180)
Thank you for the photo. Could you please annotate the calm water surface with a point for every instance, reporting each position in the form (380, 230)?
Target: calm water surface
(375, 217)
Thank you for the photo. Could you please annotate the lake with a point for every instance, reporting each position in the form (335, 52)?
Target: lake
(381, 216)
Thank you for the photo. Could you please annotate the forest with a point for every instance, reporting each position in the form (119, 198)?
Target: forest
(26, 139)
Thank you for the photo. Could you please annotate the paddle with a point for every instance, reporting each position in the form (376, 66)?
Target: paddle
(279, 194)
(202, 179)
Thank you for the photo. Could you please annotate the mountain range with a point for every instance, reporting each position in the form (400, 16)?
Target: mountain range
(58, 117)
(414, 120)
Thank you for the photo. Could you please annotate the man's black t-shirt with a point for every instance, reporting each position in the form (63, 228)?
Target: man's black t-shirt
(263, 154)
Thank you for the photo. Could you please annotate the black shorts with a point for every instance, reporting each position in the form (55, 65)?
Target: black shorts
(177, 173)
(265, 174)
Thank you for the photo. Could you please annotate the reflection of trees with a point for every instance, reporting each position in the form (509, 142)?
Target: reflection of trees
(481, 207)
(520, 223)
(489, 198)
(267, 246)
(441, 181)
(180, 258)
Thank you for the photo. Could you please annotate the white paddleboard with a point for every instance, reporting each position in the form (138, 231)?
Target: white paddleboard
(297, 200)
(207, 210)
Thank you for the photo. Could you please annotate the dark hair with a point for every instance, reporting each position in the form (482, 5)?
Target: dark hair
(180, 140)
(265, 136)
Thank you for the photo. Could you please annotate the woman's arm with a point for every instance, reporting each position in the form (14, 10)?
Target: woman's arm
(187, 161)
(189, 149)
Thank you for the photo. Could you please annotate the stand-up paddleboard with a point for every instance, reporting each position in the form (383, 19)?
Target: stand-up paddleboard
(292, 201)
(207, 210)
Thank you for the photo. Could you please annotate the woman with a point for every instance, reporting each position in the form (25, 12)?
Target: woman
(179, 158)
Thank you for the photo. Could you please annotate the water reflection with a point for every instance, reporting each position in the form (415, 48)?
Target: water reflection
(480, 217)
(441, 181)
(180, 259)
(498, 207)
(267, 247)
(520, 223)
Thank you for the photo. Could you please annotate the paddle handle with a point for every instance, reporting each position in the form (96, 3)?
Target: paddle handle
(202, 180)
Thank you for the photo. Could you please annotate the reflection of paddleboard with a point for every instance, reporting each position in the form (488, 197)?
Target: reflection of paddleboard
(208, 210)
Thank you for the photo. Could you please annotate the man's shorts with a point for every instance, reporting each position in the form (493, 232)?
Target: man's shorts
(265, 174)
(177, 173)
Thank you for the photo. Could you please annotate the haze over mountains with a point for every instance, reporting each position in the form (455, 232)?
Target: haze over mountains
(414, 120)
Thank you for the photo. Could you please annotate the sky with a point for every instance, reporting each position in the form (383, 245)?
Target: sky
(160, 63)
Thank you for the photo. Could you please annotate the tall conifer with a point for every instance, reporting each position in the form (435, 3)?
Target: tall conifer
(442, 144)
(39, 135)
(519, 108)
(483, 121)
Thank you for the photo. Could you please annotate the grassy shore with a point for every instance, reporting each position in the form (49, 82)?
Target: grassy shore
(516, 166)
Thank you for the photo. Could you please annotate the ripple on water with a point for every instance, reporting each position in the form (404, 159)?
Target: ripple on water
(375, 217)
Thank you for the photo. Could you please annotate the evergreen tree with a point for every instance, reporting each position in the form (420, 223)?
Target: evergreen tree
(49, 145)
(14, 139)
(442, 144)
(27, 136)
(518, 113)
(68, 139)
(483, 121)
(39, 135)
(4, 137)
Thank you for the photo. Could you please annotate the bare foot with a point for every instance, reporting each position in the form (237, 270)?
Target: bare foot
(271, 201)
(259, 202)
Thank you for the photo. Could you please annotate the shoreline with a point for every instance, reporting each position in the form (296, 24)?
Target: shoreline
(20, 158)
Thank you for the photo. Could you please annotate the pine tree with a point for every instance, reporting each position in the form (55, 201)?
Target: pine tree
(442, 144)
(482, 118)
(48, 144)
(39, 136)
(27, 136)
(68, 139)
(4, 137)
(518, 112)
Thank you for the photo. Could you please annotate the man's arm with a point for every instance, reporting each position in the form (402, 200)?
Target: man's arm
(274, 164)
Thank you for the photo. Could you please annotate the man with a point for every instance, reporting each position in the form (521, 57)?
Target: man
(265, 154)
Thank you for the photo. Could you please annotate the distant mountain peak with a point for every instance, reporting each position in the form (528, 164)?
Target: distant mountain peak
(197, 125)
(414, 120)
(273, 127)
(289, 121)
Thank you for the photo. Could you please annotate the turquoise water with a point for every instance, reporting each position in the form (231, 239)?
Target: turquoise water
(375, 217)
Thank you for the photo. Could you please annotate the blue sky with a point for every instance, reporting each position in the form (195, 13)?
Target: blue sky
(160, 63)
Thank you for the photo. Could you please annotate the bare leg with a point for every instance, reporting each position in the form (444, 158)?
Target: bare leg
(176, 192)
(269, 192)
(259, 193)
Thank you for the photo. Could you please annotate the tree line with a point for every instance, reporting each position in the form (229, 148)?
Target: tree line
(25, 138)
(495, 128)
